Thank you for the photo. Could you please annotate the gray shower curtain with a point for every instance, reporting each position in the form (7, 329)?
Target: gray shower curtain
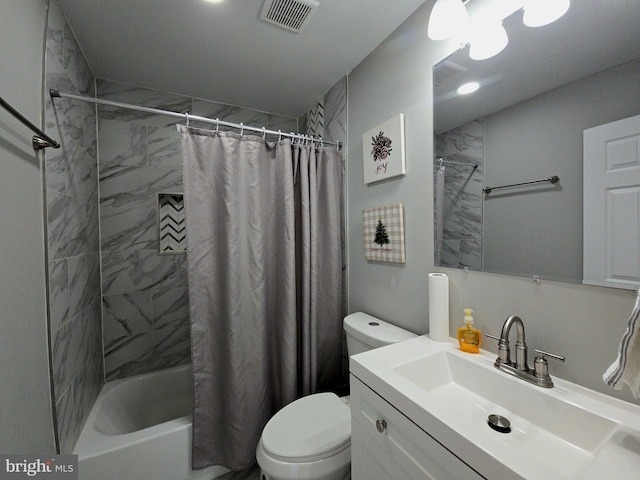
(265, 283)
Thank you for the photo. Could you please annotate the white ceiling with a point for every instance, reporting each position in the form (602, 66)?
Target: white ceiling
(224, 52)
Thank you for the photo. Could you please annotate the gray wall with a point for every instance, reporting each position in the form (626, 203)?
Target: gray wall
(26, 418)
(536, 139)
(581, 322)
(393, 79)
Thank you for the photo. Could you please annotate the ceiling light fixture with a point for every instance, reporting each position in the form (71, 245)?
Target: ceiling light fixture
(448, 18)
(487, 41)
(538, 13)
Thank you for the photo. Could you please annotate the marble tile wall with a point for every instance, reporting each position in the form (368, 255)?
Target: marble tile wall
(328, 116)
(462, 233)
(71, 179)
(144, 294)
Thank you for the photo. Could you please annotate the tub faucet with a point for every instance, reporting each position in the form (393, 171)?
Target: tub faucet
(539, 375)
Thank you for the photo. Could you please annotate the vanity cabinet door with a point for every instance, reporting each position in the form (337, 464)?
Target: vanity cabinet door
(386, 445)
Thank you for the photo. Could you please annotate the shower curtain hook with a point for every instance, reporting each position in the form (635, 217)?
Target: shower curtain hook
(321, 142)
(241, 130)
(217, 125)
(186, 114)
(264, 133)
(279, 136)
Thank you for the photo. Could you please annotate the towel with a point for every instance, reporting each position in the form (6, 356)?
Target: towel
(626, 368)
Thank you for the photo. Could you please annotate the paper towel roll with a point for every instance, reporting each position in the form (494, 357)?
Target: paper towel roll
(439, 307)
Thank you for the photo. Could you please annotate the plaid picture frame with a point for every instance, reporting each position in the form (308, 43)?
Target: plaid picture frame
(383, 231)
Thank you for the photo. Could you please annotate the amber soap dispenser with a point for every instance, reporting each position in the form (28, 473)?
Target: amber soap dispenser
(470, 338)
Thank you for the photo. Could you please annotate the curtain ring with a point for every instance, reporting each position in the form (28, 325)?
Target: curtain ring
(217, 125)
(264, 133)
(241, 130)
(321, 142)
(279, 136)
(186, 114)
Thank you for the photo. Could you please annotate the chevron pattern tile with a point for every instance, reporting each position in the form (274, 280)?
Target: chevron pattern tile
(315, 120)
(173, 233)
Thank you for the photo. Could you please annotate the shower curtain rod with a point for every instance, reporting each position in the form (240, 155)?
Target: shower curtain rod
(449, 162)
(187, 117)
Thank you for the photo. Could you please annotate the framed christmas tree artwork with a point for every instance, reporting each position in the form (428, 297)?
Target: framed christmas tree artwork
(383, 229)
(383, 150)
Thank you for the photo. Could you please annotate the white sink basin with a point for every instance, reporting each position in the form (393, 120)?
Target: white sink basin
(565, 432)
(555, 432)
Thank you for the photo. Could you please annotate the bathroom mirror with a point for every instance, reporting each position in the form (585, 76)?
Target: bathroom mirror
(524, 124)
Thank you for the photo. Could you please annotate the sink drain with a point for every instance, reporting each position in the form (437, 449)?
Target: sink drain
(499, 423)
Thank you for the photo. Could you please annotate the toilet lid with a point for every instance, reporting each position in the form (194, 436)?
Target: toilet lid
(311, 428)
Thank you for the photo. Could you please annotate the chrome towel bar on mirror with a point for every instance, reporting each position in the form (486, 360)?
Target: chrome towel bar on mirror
(553, 179)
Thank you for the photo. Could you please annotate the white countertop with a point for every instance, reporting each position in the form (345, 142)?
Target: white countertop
(614, 451)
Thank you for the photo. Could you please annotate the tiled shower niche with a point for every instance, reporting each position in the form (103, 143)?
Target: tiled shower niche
(172, 228)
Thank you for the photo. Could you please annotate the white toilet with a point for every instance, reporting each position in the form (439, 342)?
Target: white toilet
(310, 439)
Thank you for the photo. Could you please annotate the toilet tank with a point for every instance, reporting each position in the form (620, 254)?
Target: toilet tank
(365, 332)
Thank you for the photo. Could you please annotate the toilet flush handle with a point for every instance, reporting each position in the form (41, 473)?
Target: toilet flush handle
(381, 425)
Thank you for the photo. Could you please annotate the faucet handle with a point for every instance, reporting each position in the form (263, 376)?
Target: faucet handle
(541, 367)
(550, 355)
(504, 355)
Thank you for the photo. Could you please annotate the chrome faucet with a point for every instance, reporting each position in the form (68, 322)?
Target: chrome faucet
(539, 375)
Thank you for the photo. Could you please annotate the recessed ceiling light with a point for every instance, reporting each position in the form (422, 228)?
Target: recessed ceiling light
(468, 88)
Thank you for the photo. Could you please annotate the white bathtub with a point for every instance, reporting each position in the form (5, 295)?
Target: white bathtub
(140, 429)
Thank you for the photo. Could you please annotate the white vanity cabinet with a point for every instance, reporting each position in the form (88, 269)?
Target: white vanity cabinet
(386, 445)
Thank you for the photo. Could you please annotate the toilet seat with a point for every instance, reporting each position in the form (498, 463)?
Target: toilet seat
(311, 428)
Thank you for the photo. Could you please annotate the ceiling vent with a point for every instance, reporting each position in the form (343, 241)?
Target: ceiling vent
(446, 70)
(291, 15)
